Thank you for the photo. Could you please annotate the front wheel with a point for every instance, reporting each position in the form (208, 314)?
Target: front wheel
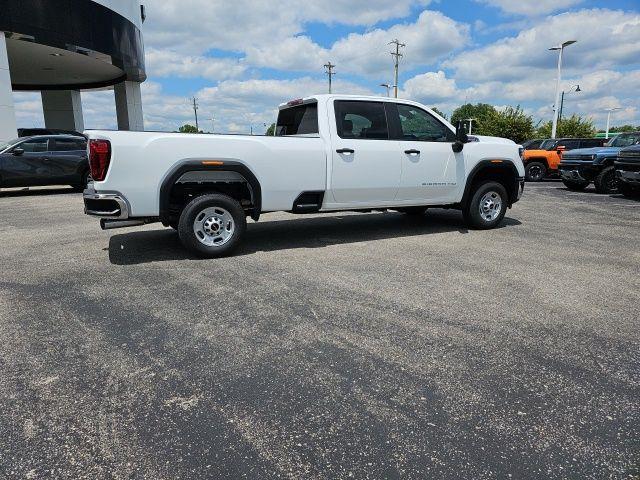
(606, 181)
(212, 225)
(535, 171)
(627, 190)
(487, 206)
(575, 186)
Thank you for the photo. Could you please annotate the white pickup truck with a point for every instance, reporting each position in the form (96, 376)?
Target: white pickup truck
(330, 153)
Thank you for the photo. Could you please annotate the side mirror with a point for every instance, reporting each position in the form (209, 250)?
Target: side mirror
(17, 151)
(461, 138)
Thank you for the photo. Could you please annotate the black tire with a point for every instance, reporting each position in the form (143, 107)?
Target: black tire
(535, 171)
(413, 211)
(207, 205)
(606, 181)
(483, 193)
(627, 190)
(575, 186)
(85, 179)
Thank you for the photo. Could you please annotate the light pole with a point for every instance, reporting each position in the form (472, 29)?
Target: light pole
(470, 120)
(212, 124)
(560, 49)
(609, 112)
(577, 90)
(388, 87)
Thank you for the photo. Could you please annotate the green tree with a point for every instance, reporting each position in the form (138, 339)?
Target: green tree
(573, 126)
(435, 109)
(622, 129)
(188, 128)
(270, 130)
(482, 113)
(511, 123)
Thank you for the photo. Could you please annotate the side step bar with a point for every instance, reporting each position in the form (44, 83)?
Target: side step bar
(106, 224)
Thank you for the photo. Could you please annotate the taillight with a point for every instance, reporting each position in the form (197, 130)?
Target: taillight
(99, 158)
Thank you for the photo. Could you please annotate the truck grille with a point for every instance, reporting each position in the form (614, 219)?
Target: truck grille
(629, 155)
(578, 158)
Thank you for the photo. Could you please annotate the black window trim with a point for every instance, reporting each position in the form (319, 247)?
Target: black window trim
(377, 102)
(397, 130)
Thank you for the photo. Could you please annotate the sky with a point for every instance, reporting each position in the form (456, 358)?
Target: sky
(242, 58)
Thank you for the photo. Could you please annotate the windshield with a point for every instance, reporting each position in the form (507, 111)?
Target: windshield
(626, 140)
(548, 144)
(9, 144)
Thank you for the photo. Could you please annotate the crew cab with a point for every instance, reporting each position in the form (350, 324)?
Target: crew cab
(627, 167)
(329, 153)
(546, 159)
(580, 167)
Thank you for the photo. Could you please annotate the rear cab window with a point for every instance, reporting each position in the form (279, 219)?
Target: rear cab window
(298, 120)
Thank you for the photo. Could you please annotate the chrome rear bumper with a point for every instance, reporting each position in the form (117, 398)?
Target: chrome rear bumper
(110, 205)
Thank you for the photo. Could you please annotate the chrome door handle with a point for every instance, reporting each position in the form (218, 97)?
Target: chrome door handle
(413, 151)
(345, 150)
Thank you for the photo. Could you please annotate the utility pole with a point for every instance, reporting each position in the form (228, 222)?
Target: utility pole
(329, 71)
(212, 124)
(396, 55)
(195, 111)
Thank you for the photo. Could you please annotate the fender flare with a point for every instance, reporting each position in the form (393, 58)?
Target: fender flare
(495, 165)
(197, 165)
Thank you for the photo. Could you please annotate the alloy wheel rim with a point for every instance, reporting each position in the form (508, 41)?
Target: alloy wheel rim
(535, 172)
(490, 206)
(214, 226)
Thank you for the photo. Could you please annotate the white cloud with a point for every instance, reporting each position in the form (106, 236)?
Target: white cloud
(164, 63)
(431, 37)
(606, 38)
(531, 8)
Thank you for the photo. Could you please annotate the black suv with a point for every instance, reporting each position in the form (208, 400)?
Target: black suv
(627, 167)
(44, 160)
(579, 168)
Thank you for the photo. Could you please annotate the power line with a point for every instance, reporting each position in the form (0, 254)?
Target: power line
(330, 73)
(396, 55)
(195, 111)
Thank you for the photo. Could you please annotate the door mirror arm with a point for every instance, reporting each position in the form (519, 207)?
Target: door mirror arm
(461, 138)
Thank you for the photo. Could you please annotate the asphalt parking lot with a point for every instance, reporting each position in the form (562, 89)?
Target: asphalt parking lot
(341, 346)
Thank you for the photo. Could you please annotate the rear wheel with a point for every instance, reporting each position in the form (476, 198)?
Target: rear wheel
(487, 206)
(212, 225)
(575, 186)
(535, 171)
(606, 181)
(84, 181)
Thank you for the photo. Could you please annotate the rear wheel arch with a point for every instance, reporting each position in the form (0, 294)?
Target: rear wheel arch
(501, 171)
(192, 178)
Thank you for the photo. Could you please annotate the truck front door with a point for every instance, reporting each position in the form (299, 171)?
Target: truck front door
(429, 165)
(365, 167)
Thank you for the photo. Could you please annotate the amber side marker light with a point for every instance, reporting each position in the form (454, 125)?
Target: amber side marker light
(212, 162)
(496, 161)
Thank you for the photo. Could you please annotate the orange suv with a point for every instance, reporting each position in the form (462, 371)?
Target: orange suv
(539, 163)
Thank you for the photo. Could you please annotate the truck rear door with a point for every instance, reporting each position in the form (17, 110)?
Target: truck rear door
(365, 166)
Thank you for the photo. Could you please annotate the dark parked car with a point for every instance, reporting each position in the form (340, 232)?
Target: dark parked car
(533, 144)
(30, 132)
(580, 167)
(628, 171)
(44, 160)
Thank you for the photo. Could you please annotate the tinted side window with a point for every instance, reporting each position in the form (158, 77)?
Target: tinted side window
(595, 142)
(362, 120)
(418, 125)
(35, 145)
(299, 120)
(67, 145)
(569, 144)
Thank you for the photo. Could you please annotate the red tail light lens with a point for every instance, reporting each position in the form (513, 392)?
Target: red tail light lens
(99, 158)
